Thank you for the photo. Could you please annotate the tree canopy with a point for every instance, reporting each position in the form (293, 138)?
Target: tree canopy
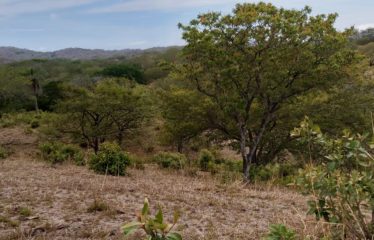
(253, 61)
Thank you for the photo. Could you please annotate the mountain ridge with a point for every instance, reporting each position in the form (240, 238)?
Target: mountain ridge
(14, 54)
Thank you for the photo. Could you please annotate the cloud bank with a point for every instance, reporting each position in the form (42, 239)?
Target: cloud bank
(16, 7)
(149, 5)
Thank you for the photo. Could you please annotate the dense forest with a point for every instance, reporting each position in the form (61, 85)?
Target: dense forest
(264, 96)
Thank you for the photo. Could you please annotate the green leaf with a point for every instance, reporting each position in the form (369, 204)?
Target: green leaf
(159, 218)
(176, 216)
(145, 209)
(129, 228)
(174, 236)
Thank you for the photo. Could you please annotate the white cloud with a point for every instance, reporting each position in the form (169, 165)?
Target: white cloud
(16, 7)
(148, 5)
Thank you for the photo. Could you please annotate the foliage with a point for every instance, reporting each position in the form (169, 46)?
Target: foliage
(259, 58)
(281, 173)
(184, 112)
(206, 158)
(155, 227)
(110, 160)
(342, 186)
(34, 124)
(53, 92)
(130, 71)
(280, 232)
(137, 162)
(109, 111)
(13, 119)
(3, 152)
(98, 206)
(170, 160)
(56, 152)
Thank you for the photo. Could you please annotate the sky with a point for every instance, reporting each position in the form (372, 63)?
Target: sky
(48, 25)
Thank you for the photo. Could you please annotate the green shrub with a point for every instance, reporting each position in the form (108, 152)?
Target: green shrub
(98, 206)
(110, 160)
(227, 177)
(3, 153)
(25, 212)
(34, 124)
(205, 158)
(32, 119)
(170, 160)
(56, 152)
(74, 154)
(342, 187)
(136, 162)
(280, 232)
(281, 173)
(224, 165)
(156, 228)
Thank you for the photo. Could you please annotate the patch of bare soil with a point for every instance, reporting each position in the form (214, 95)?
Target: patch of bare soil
(38, 201)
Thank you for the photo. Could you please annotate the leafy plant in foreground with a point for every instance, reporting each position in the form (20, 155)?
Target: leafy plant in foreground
(280, 232)
(155, 227)
(342, 187)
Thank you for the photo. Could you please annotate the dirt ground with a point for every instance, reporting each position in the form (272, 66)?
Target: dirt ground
(39, 201)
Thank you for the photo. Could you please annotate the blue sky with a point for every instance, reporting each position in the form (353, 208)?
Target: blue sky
(47, 25)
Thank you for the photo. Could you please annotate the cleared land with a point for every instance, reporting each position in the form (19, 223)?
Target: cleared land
(38, 201)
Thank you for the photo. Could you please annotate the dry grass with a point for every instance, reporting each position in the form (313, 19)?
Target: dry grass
(69, 202)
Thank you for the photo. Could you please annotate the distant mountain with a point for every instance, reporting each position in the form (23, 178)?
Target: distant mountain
(12, 54)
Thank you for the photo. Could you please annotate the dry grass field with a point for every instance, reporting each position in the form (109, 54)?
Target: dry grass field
(39, 201)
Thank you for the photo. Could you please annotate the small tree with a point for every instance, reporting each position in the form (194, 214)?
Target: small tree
(128, 108)
(342, 187)
(254, 61)
(107, 112)
(35, 87)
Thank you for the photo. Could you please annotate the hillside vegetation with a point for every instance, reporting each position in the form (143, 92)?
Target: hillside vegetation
(261, 127)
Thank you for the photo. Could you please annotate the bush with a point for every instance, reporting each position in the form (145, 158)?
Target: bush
(224, 165)
(170, 160)
(34, 124)
(98, 206)
(156, 228)
(280, 232)
(58, 153)
(342, 187)
(3, 153)
(110, 160)
(136, 162)
(282, 173)
(206, 158)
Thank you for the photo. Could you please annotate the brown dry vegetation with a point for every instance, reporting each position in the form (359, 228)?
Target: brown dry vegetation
(38, 201)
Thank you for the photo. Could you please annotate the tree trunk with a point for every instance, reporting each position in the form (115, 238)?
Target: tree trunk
(372, 221)
(243, 151)
(96, 145)
(120, 138)
(180, 147)
(36, 104)
(246, 169)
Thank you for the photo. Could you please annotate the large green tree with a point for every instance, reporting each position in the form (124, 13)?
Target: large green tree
(253, 61)
(185, 114)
